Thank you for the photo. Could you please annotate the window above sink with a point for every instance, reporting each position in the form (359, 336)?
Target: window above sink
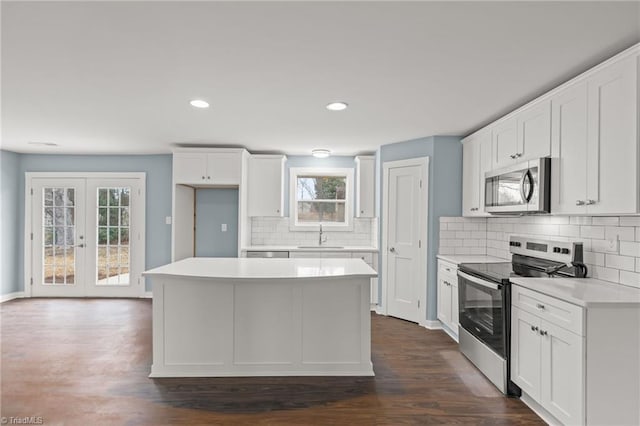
(321, 196)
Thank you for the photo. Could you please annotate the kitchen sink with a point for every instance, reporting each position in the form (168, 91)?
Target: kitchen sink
(321, 247)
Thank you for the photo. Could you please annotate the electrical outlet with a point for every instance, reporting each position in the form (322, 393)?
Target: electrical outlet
(167, 220)
(611, 244)
(223, 227)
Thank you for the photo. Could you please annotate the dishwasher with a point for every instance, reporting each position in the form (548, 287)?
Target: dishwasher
(268, 254)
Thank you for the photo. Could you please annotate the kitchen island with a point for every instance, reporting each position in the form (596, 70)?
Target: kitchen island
(217, 317)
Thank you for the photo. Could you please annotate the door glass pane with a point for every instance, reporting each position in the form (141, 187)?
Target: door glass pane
(58, 231)
(113, 236)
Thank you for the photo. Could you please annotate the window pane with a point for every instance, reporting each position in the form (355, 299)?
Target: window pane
(70, 198)
(48, 236)
(321, 187)
(102, 236)
(319, 211)
(113, 236)
(48, 216)
(124, 197)
(102, 216)
(124, 216)
(58, 216)
(70, 216)
(102, 263)
(59, 235)
(114, 213)
(102, 197)
(48, 196)
(124, 236)
(114, 196)
(58, 197)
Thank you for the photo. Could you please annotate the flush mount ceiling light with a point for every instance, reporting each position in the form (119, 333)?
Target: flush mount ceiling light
(337, 106)
(199, 103)
(320, 153)
(43, 143)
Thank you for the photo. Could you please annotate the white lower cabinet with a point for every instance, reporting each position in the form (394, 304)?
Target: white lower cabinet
(576, 365)
(448, 296)
(547, 363)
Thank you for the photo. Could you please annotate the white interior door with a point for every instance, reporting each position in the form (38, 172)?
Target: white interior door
(404, 260)
(87, 237)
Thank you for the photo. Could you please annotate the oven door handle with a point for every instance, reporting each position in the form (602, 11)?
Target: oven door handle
(479, 281)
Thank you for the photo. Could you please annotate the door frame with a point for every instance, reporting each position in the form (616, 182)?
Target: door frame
(28, 214)
(423, 162)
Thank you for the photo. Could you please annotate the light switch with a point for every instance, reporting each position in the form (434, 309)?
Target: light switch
(167, 220)
(223, 227)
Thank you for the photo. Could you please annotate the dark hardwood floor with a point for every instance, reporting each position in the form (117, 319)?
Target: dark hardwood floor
(86, 361)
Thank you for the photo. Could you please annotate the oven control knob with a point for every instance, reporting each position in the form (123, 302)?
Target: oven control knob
(565, 251)
(556, 249)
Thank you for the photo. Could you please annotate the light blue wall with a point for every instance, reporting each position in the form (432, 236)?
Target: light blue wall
(310, 161)
(158, 194)
(445, 195)
(213, 208)
(10, 233)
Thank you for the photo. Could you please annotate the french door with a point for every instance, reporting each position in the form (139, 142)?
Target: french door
(87, 236)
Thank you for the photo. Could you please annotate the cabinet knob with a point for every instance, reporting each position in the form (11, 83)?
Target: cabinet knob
(392, 250)
(543, 332)
(539, 306)
(513, 156)
(278, 211)
(518, 154)
(591, 202)
(203, 177)
(580, 203)
(533, 328)
(361, 211)
(208, 177)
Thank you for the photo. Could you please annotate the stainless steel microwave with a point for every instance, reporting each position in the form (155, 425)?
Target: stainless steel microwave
(521, 188)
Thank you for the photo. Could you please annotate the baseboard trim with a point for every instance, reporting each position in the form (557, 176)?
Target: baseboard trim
(11, 296)
(147, 295)
(432, 324)
(379, 310)
(539, 410)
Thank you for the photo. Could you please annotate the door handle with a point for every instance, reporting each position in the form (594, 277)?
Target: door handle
(392, 250)
(80, 245)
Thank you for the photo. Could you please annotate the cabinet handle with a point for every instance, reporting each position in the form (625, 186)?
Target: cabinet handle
(580, 203)
(392, 250)
(543, 333)
(202, 177)
(278, 211)
(591, 202)
(534, 328)
(539, 306)
(518, 154)
(208, 177)
(361, 211)
(513, 156)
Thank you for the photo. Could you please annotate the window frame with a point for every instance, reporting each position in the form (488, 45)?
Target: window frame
(348, 173)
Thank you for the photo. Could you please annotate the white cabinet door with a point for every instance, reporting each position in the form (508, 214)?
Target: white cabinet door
(265, 185)
(454, 307)
(486, 149)
(505, 143)
(534, 132)
(569, 150)
(224, 168)
(612, 184)
(365, 172)
(444, 301)
(189, 168)
(562, 380)
(470, 177)
(525, 352)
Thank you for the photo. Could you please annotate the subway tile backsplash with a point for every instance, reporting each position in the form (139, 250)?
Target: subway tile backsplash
(612, 244)
(274, 231)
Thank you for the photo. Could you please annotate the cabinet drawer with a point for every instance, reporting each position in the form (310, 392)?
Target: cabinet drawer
(447, 268)
(556, 311)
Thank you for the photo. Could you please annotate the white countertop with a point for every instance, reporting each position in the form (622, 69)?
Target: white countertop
(319, 248)
(583, 292)
(243, 268)
(470, 258)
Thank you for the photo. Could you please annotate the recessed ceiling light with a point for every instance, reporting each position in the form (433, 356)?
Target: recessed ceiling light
(320, 153)
(43, 143)
(337, 106)
(199, 103)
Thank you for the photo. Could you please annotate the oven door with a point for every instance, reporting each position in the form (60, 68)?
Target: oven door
(483, 311)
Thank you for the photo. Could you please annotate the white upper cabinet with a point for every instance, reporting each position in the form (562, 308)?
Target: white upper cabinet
(365, 172)
(595, 143)
(569, 150)
(612, 135)
(534, 132)
(524, 136)
(266, 184)
(210, 167)
(476, 161)
(505, 143)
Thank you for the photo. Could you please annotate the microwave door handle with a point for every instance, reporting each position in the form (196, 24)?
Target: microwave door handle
(478, 281)
(526, 194)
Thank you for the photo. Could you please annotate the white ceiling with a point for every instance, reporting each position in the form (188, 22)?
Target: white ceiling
(117, 77)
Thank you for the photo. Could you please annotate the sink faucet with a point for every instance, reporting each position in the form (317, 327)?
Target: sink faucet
(320, 239)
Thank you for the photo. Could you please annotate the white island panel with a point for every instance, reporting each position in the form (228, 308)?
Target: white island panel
(302, 317)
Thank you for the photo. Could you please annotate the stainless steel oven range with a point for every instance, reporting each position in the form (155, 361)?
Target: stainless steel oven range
(485, 300)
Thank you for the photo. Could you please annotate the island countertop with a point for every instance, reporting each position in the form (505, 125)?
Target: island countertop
(246, 268)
